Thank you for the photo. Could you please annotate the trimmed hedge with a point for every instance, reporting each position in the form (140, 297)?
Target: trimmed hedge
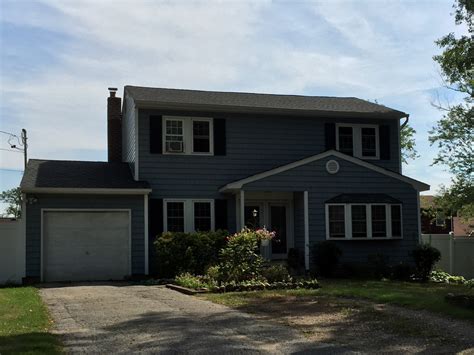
(193, 253)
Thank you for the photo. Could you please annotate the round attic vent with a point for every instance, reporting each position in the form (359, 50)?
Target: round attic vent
(332, 166)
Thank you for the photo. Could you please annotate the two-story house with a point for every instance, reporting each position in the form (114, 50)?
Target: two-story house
(311, 168)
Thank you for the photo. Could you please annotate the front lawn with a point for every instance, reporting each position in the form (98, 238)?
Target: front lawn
(25, 323)
(420, 296)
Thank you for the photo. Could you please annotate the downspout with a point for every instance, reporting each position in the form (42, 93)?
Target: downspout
(406, 121)
(407, 118)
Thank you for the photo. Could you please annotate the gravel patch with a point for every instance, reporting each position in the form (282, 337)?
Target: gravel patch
(124, 318)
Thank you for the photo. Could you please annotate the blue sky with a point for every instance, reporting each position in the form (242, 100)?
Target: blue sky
(59, 57)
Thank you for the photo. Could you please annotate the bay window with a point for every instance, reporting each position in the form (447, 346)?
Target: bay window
(363, 221)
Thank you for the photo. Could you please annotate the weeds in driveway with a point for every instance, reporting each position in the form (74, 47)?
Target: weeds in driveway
(25, 323)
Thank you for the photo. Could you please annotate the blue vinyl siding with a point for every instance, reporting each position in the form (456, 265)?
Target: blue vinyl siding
(257, 144)
(254, 144)
(351, 178)
(33, 224)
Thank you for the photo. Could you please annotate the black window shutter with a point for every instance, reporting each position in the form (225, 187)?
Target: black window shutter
(219, 136)
(155, 228)
(156, 138)
(330, 135)
(384, 142)
(220, 212)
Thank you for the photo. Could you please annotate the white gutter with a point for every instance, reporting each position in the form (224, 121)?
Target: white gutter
(83, 191)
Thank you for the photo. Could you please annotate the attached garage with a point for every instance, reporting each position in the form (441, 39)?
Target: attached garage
(85, 221)
(86, 245)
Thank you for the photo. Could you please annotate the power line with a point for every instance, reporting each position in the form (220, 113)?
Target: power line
(12, 170)
(11, 150)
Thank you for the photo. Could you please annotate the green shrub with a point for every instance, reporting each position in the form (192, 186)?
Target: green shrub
(256, 285)
(326, 257)
(275, 273)
(294, 260)
(440, 276)
(425, 257)
(240, 259)
(401, 272)
(178, 253)
(379, 265)
(214, 273)
(190, 281)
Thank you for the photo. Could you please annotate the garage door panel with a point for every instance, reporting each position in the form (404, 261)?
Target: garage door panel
(86, 245)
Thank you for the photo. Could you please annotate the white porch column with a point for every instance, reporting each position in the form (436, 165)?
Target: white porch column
(306, 230)
(145, 211)
(242, 210)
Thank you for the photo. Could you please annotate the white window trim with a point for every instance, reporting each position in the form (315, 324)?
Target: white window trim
(357, 139)
(188, 213)
(188, 141)
(348, 220)
(438, 216)
(211, 135)
(180, 119)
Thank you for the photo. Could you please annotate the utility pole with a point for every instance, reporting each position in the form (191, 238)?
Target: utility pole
(24, 140)
(18, 144)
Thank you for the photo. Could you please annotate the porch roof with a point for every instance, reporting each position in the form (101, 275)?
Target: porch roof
(363, 198)
(238, 184)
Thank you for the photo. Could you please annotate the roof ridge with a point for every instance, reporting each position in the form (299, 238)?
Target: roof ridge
(248, 93)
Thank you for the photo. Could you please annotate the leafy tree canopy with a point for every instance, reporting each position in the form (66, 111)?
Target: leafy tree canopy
(407, 142)
(13, 198)
(454, 133)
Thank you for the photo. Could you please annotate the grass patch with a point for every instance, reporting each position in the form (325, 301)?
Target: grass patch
(25, 323)
(427, 296)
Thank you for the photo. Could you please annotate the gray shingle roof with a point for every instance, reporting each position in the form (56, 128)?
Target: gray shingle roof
(253, 102)
(78, 174)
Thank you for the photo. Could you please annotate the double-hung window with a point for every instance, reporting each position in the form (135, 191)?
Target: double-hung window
(361, 141)
(356, 221)
(379, 221)
(188, 215)
(188, 135)
(175, 216)
(359, 221)
(336, 219)
(201, 136)
(174, 136)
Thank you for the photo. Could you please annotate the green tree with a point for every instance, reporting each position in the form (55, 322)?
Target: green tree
(13, 198)
(407, 142)
(454, 133)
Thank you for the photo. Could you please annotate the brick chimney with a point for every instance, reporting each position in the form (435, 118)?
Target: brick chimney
(114, 127)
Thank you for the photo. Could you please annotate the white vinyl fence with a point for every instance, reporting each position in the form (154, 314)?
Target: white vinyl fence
(12, 252)
(457, 253)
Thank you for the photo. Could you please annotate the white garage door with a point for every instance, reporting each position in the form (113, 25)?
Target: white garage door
(86, 245)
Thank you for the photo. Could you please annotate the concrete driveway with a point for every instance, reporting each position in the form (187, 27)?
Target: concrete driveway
(123, 318)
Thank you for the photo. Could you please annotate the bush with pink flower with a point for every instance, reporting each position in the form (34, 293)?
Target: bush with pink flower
(240, 259)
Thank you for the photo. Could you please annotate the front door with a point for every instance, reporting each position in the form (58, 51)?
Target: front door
(279, 224)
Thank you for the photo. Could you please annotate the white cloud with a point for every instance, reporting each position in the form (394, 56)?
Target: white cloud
(344, 48)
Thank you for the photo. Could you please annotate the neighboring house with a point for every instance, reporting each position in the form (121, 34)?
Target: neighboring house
(433, 221)
(313, 169)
